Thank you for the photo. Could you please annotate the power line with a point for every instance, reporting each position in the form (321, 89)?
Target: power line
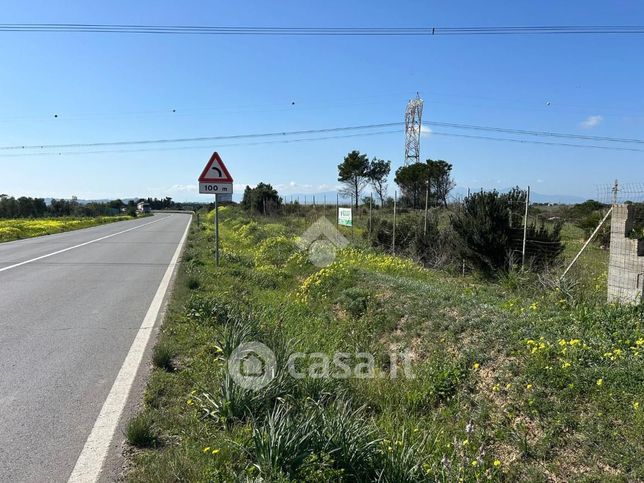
(312, 139)
(352, 128)
(546, 143)
(537, 133)
(186, 148)
(320, 31)
(200, 139)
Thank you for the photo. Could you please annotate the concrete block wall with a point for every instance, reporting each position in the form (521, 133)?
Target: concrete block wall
(626, 263)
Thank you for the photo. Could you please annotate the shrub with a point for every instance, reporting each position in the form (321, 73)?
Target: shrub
(411, 239)
(140, 432)
(589, 224)
(207, 309)
(334, 440)
(162, 357)
(354, 300)
(274, 251)
(193, 283)
(486, 237)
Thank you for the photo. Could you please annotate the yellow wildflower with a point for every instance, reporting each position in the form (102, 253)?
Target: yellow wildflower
(636, 405)
(476, 365)
(497, 463)
(215, 451)
(600, 381)
(206, 449)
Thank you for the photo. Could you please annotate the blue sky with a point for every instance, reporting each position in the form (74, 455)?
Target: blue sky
(124, 87)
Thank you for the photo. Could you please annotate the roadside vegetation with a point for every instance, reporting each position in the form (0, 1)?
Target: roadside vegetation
(26, 217)
(15, 229)
(516, 376)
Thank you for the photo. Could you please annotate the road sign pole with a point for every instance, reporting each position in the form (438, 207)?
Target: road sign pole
(216, 232)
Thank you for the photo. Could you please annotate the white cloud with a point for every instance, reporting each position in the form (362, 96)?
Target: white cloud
(182, 188)
(591, 122)
(425, 131)
(294, 187)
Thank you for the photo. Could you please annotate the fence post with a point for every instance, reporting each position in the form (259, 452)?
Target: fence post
(393, 239)
(337, 216)
(353, 219)
(574, 260)
(370, 203)
(426, 206)
(525, 228)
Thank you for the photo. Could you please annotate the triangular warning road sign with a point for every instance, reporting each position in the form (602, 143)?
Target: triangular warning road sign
(215, 171)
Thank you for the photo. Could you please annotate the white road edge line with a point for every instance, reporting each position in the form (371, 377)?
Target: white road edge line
(90, 462)
(79, 245)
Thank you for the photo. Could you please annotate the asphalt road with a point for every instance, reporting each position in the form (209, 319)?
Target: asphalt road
(67, 322)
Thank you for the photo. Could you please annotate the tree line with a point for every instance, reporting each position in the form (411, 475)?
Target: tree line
(421, 184)
(27, 207)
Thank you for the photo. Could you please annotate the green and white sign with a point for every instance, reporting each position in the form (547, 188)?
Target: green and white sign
(344, 217)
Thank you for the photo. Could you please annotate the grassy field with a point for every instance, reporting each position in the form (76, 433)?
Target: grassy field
(510, 381)
(15, 229)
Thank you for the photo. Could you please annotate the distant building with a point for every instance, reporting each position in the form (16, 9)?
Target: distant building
(143, 207)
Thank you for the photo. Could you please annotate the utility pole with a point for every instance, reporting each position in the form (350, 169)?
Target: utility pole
(413, 119)
(525, 227)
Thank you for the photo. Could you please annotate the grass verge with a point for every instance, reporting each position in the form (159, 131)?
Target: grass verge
(510, 381)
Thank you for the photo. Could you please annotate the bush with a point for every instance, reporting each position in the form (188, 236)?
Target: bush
(275, 251)
(589, 224)
(140, 432)
(354, 300)
(193, 283)
(411, 240)
(207, 309)
(332, 440)
(162, 357)
(486, 238)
